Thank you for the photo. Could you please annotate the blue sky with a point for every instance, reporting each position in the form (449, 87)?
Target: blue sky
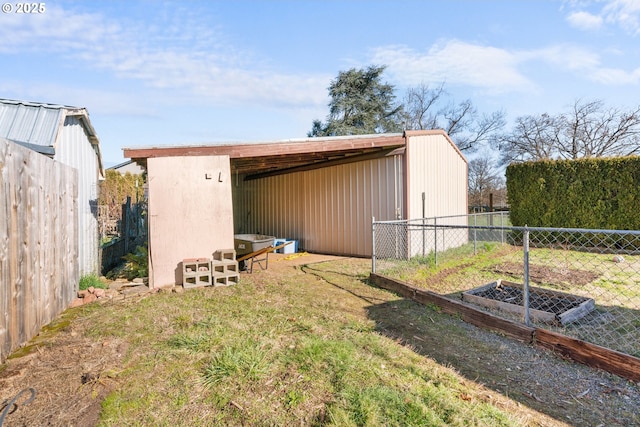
(190, 72)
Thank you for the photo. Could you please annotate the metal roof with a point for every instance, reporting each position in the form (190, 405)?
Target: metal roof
(263, 158)
(36, 125)
(273, 158)
(30, 123)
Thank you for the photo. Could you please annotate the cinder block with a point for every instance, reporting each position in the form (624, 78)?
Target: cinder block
(225, 279)
(230, 266)
(224, 266)
(196, 265)
(217, 267)
(196, 280)
(225, 254)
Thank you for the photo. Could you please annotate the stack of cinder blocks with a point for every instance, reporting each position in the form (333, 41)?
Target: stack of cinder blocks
(196, 272)
(224, 268)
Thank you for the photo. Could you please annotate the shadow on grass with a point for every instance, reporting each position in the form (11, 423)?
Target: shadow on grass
(343, 281)
(569, 392)
(527, 374)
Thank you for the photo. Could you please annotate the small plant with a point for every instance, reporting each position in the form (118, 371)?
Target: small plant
(137, 263)
(91, 280)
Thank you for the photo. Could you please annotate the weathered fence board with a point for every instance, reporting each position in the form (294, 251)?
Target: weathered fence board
(38, 242)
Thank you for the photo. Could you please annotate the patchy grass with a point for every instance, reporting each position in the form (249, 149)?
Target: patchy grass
(313, 345)
(278, 353)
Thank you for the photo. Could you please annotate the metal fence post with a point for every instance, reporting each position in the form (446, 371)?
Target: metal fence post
(423, 219)
(475, 237)
(373, 244)
(525, 243)
(435, 241)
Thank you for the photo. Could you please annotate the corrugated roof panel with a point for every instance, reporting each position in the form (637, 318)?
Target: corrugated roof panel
(30, 122)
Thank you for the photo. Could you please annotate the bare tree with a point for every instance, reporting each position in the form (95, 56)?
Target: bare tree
(426, 108)
(484, 179)
(532, 138)
(420, 105)
(593, 131)
(587, 130)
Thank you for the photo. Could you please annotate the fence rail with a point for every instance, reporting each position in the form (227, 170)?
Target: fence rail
(38, 242)
(579, 282)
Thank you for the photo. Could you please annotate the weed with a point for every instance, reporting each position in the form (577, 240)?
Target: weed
(91, 280)
(240, 363)
(294, 398)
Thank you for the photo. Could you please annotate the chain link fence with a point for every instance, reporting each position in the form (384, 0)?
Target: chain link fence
(582, 283)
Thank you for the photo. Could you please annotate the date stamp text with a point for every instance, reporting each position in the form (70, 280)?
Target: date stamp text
(24, 8)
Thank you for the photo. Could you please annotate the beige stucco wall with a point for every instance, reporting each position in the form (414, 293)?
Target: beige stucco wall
(190, 213)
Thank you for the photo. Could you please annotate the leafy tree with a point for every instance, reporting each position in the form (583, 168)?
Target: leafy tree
(587, 130)
(116, 187)
(360, 104)
(428, 108)
(114, 191)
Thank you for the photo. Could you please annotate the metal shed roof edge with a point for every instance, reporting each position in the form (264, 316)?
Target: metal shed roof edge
(65, 111)
(265, 158)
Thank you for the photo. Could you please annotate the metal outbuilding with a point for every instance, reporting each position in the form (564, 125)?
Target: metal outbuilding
(65, 134)
(322, 192)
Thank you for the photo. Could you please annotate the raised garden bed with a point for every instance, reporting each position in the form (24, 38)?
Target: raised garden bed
(545, 306)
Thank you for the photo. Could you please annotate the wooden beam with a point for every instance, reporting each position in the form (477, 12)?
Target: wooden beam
(323, 164)
(589, 354)
(468, 314)
(248, 150)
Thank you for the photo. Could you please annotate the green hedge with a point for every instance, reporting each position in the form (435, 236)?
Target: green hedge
(599, 193)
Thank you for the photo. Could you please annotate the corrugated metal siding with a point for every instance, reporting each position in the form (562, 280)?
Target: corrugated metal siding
(327, 210)
(440, 171)
(74, 149)
(32, 124)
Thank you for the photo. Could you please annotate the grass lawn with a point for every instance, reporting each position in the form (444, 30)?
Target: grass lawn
(278, 352)
(308, 345)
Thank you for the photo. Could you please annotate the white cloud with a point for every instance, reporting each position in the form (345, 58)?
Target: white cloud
(625, 13)
(585, 21)
(612, 76)
(565, 57)
(622, 13)
(165, 54)
(455, 62)
(494, 70)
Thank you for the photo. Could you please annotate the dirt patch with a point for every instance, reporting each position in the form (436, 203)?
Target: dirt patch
(542, 301)
(438, 281)
(70, 375)
(561, 278)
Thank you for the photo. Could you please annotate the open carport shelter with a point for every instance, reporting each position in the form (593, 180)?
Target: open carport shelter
(321, 192)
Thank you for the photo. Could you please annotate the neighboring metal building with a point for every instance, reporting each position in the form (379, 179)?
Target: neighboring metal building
(322, 192)
(128, 166)
(65, 134)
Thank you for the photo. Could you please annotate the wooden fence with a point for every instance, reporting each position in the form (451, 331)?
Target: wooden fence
(38, 243)
(132, 232)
